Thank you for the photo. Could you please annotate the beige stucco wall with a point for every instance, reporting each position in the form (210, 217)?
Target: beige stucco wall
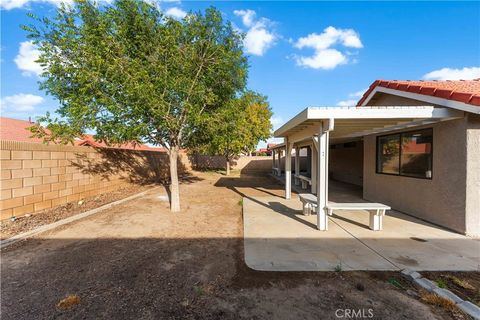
(440, 200)
(451, 198)
(384, 99)
(346, 164)
(472, 211)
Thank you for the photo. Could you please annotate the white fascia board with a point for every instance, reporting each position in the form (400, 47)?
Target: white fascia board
(278, 146)
(295, 121)
(369, 112)
(422, 97)
(380, 112)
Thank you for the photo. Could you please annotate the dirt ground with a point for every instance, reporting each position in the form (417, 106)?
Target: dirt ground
(9, 228)
(466, 285)
(139, 261)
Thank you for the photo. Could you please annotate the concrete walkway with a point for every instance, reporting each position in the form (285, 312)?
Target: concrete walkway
(279, 238)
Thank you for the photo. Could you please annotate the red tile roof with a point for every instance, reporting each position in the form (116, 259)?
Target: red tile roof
(466, 91)
(88, 140)
(17, 130)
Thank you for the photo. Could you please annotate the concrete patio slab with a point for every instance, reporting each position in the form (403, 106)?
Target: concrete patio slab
(279, 238)
(412, 243)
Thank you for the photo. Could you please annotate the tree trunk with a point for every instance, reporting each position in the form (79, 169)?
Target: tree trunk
(228, 166)
(174, 187)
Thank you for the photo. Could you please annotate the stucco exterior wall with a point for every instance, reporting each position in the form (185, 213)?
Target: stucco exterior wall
(440, 200)
(472, 211)
(384, 99)
(346, 164)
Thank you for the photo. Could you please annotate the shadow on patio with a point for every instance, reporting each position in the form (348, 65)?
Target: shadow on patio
(278, 237)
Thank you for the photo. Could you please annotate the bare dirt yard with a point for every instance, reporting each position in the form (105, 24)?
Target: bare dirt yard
(139, 261)
(9, 228)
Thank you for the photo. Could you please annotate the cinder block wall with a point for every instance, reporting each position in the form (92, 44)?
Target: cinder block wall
(244, 164)
(35, 177)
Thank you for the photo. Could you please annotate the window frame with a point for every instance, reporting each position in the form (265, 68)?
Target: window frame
(400, 134)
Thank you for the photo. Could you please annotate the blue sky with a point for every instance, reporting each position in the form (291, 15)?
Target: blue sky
(301, 53)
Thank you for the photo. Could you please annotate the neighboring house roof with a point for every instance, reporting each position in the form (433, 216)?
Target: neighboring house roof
(88, 140)
(271, 145)
(463, 91)
(16, 130)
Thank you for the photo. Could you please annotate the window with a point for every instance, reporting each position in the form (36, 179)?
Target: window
(406, 154)
(388, 154)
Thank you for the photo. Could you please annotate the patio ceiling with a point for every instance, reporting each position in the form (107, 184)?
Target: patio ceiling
(360, 121)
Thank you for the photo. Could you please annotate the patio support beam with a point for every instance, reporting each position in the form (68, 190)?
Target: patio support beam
(322, 188)
(313, 166)
(297, 165)
(273, 159)
(280, 162)
(288, 169)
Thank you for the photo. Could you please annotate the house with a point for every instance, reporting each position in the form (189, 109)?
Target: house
(17, 130)
(89, 140)
(412, 145)
(261, 152)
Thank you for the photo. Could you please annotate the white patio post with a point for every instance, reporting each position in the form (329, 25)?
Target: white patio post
(297, 165)
(314, 171)
(280, 151)
(322, 188)
(288, 169)
(273, 161)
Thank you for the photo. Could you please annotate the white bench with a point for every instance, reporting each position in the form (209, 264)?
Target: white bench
(304, 180)
(376, 210)
(309, 202)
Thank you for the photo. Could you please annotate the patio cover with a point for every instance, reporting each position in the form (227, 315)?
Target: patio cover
(339, 123)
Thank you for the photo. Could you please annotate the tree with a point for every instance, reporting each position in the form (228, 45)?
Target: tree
(237, 127)
(130, 73)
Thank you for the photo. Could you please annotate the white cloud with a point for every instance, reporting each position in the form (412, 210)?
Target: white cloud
(258, 38)
(347, 103)
(26, 58)
(176, 13)
(20, 102)
(13, 4)
(454, 74)
(326, 57)
(247, 16)
(358, 94)
(276, 121)
(323, 59)
(352, 102)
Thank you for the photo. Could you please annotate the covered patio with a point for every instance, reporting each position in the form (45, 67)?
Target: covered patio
(278, 237)
(317, 128)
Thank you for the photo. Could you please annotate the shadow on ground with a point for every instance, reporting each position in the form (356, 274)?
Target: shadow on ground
(139, 261)
(186, 279)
